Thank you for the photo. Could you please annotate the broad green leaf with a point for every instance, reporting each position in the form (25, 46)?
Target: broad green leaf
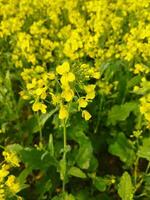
(144, 150)
(125, 187)
(121, 112)
(100, 183)
(75, 171)
(122, 148)
(33, 158)
(84, 154)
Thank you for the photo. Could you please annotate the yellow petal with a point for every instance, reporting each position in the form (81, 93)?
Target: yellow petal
(82, 103)
(64, 80)
(63, 113)
(90, 95)
(89, 88)
(43, 108)
(86, 115)
(39, 106)
(68, 95)
(36, 106)
(70, 77)
(39, 91)
(64, 68)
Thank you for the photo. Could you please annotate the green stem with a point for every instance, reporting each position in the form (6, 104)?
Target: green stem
(135, 170)
(147, 169)
(64, 154)
(2, 147)
(99, 111)
(40, 129)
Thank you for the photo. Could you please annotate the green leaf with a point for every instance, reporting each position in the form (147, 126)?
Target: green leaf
(100, 183)
(85, 151)
(121, 112)
(83, 194)
(16, 148)
(62, 165)
(144, 150)
(122, 148)
(75, 171)
(84, 155)
(23, 175)
(51, 145)
(64, 196)
(125, 187)
(134, 81)
(34, 158)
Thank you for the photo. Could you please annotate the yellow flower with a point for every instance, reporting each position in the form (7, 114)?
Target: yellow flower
(138, 68)
(96, 75)
(86, 115)
(82, 103)
(12, 158)
(68, 94)
(64, 81)
(64, 68)
(55, 98)
(89, 88)
(31, 85)
(2, 193)
(63, 112)
(39, 91)
(51, 75)
(3, 173)
(90, 91)
(39, 106)
(66, 78)
(24, 95)
(12, 183)
(70, 77)
(136, 88)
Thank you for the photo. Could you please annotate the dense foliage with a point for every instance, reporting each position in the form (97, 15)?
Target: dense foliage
(75, 99)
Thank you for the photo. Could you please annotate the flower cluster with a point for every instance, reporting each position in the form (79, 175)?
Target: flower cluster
(47, 37)
(9, 184)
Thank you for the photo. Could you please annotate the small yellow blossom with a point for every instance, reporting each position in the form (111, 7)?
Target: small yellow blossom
(86, 115)
(51, 75)
(66, 78)
(12, 184)
(138, 68)
(136, 88)
(70, 76)
(96, 75)
(64, 68)
(68, 94)
(24, 95)
(63, 112)
(82, 102)
(55, 98)
(12, 158)
(39, 106)
(3, 173)
(90, 91)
